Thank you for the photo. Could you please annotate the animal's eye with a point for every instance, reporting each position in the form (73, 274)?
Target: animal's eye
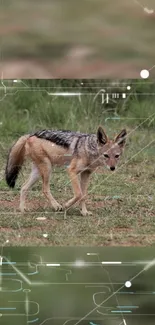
(116, 156)
(106, 156)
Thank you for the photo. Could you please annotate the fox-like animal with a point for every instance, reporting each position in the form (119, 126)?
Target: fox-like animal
(83, 153)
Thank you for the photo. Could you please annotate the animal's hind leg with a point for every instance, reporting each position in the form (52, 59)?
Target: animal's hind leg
(45, 171)
(34, 176)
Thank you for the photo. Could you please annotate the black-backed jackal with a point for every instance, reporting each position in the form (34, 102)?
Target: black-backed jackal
(82, 152)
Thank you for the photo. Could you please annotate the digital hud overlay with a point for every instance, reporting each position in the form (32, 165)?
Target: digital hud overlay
(85, 286)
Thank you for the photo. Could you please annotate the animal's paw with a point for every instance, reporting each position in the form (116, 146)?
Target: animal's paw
(86, 213)
(22, 209)
(58, 207)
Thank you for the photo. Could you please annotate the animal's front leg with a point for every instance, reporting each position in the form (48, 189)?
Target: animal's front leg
(76, 187)
(85, 177)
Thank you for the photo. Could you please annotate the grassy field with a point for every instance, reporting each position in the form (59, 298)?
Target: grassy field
(123, 202)
(90, 39)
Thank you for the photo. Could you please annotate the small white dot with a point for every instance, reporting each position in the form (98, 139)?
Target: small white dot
(7, 241)
(128, 87)
(149, 11)
(128, 284)
(42, 218)
(14, 80)
(144, 74)
(45, 235)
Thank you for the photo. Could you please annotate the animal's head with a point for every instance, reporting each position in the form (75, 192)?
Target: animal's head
(110, 150)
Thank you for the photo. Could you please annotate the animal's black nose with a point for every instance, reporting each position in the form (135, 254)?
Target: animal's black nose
(112, 168)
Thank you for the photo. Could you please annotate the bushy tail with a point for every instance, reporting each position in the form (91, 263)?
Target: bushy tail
(15, 161)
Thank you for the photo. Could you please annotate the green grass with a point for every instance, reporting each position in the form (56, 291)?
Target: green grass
(123, 202)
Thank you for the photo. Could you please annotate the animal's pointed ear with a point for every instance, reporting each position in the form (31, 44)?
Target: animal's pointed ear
(121, 138)
(101, 136)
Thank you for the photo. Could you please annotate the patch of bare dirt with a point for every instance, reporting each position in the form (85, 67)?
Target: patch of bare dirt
(121, 229)
(32, 204)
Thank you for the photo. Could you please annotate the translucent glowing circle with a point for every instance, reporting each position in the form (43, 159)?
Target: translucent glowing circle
(79, 263)
(128, 87)
(144, 74)
(128, 284)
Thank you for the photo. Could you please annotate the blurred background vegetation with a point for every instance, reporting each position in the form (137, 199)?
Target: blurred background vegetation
(74, 39)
